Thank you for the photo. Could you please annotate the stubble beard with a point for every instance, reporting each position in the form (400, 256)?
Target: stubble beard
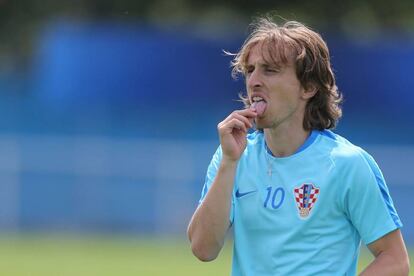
(274, 123)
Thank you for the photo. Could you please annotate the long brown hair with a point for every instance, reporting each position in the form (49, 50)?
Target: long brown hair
(313, 67)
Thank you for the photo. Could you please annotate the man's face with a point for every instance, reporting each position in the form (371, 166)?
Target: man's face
(282, 94)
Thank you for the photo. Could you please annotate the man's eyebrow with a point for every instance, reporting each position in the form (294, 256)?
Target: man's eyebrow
(247, 66)
(263, 65)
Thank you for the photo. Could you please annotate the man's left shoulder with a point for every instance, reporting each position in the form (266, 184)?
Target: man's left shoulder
(343, 151)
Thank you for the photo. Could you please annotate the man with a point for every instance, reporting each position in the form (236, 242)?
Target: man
(299, 198)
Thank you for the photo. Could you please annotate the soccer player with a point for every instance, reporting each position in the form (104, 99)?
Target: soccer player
(299, 198)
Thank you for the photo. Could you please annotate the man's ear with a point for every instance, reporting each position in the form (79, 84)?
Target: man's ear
(309, 91)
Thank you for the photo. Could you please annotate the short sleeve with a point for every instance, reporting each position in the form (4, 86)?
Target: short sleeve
(368, 202)
(210, 175)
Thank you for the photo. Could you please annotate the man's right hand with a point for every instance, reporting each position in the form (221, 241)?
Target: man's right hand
(233, 131)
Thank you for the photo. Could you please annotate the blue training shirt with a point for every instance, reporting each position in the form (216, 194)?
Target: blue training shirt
(307, 213)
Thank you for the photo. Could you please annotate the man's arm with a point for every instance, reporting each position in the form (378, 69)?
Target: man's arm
(211, 220)
(391, 257)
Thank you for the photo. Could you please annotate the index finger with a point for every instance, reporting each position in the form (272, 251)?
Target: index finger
(248, 112)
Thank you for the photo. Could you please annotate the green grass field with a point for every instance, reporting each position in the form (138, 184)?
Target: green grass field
(58, 255)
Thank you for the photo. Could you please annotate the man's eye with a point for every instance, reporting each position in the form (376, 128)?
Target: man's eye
(272, 70)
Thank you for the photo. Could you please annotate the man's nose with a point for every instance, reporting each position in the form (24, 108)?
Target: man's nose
(254, 80)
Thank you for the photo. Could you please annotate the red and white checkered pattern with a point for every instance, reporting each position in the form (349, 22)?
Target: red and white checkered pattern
(300, 194)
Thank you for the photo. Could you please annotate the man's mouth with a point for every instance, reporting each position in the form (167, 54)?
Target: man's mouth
(259, 104)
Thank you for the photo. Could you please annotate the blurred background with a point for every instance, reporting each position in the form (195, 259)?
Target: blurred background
(108, 114)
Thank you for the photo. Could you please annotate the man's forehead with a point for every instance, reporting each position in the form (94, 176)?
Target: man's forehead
(267, 53)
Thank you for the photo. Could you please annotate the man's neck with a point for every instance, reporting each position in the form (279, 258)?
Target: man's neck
(285, 142)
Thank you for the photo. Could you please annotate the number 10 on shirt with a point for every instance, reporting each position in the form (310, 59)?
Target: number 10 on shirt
(276, 196)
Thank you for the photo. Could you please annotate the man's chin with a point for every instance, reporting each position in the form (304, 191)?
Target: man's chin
(261, 125)
(261, 122)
